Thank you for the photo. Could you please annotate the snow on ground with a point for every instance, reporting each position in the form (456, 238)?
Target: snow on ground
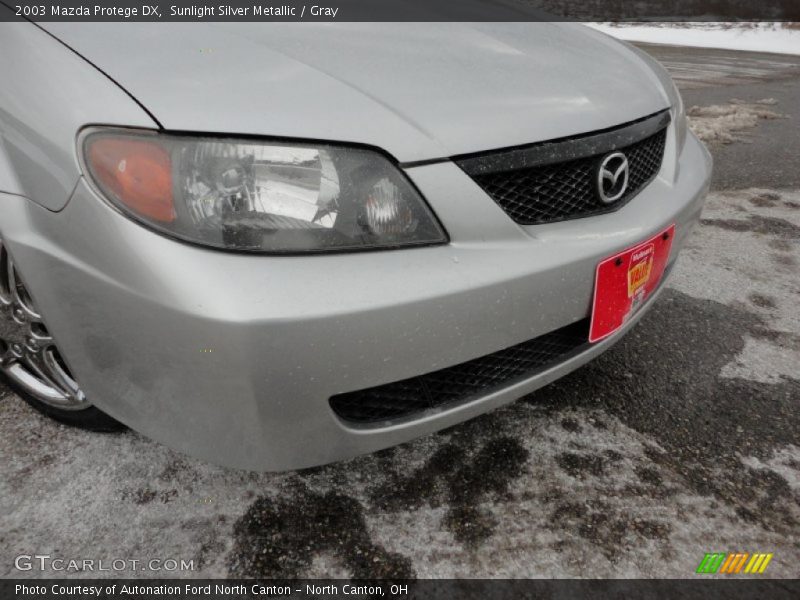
(765, 278)
(727, 123)
(755, 37)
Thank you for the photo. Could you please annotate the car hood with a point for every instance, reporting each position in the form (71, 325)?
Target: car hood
(420, 91)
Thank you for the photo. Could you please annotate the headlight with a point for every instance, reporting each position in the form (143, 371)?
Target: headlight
(259, 196)
(679, 117)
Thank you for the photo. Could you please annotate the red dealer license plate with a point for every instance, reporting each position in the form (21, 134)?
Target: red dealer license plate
(625, 280)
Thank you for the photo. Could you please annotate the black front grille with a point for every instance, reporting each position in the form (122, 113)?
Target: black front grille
(461, 382)
(556, 181)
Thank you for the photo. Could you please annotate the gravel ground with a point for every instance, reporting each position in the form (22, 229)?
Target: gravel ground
(681, 440)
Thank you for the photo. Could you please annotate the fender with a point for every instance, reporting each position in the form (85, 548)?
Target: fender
(48, 94)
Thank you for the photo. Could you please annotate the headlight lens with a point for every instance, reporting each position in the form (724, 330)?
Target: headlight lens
(256, 196)
(679, 117)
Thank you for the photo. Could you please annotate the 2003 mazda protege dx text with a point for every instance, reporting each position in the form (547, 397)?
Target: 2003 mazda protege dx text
(278, 246)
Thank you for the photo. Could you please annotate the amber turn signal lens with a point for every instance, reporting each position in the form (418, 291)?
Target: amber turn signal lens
(138, 172)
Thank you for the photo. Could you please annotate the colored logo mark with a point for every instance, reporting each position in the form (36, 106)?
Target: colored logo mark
(640, 269)
(734, 563)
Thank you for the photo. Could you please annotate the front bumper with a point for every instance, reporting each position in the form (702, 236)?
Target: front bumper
(233, 358)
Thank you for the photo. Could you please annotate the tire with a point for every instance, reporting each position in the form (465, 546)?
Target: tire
(90, 419)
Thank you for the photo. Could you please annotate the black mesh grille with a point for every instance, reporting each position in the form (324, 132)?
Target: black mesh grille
(461, 382)
(566, 190)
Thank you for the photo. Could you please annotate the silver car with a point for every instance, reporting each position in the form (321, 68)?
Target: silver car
(276, 246)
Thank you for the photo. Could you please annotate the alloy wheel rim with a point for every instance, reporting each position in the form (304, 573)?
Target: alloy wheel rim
(28, 354)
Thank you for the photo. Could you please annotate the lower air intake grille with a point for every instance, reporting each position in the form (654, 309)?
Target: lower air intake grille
(463, 382)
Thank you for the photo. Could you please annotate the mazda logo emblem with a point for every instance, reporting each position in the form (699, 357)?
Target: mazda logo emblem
(612, 177)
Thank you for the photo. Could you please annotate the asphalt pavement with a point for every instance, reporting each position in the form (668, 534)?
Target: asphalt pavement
(708, 77)
(681, 440)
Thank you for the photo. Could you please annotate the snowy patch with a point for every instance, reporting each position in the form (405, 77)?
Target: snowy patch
(784, 462)
(754, 37)
(763, 361)
(746, 253)
(727, 123)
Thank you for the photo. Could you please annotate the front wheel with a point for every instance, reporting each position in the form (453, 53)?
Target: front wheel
(31, 362)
